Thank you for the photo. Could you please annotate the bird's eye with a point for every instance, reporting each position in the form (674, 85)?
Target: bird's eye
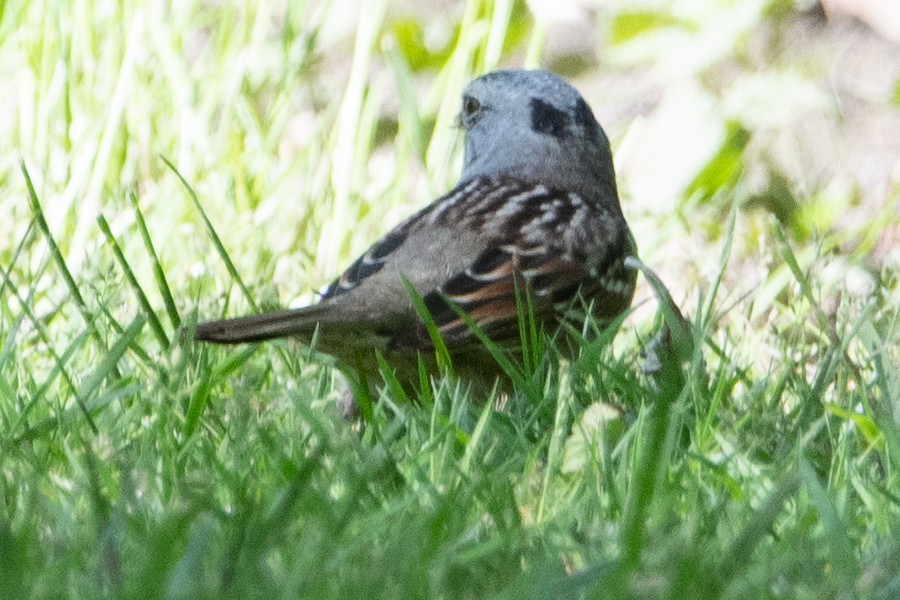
(470, 107)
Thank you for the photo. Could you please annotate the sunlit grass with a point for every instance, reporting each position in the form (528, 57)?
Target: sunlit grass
(174, 163)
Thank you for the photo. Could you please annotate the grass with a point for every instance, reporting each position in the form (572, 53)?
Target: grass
(172, 163)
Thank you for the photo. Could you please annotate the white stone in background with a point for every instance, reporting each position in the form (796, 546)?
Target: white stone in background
(883, 16)
(600, 425)
(853, 279)
(298, 133)
(672, 145)
(571, 28)
(859, 282)
(774, 99)
(563, 11)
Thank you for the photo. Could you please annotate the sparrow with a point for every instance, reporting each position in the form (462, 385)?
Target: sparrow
(536, 211)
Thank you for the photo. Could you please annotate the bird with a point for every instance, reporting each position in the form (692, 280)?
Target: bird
(536, 211)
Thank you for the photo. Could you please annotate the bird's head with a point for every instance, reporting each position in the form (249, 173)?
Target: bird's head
(534, 126)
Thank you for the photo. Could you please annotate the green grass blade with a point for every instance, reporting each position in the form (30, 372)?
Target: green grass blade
(657, 437)
(59, 368)
(158, 273)
(835, 531)
(518, 377)
(706, 313)
(441, 353)
(529, 333)
(214, 237)
(17, 253)
(106, 369)
(408, 115)
(476, 439)
(86, 397)
(387, 372)
(197, 404)
(56, 254)
(144, 303)
(734, 560)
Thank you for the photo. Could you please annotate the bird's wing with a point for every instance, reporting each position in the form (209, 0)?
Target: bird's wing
(474, 247)
(487, 291)
(551, 243)
(370, 297)
(425, 249)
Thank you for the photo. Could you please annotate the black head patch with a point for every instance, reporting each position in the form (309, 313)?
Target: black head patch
(585, 118)
(547, 119)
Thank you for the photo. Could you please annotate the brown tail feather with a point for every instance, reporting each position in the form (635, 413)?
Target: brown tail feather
(256, 328)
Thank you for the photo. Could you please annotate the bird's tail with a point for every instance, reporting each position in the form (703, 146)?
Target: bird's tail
(256, 328)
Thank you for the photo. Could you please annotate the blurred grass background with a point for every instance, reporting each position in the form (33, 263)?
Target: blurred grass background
(758, 151)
